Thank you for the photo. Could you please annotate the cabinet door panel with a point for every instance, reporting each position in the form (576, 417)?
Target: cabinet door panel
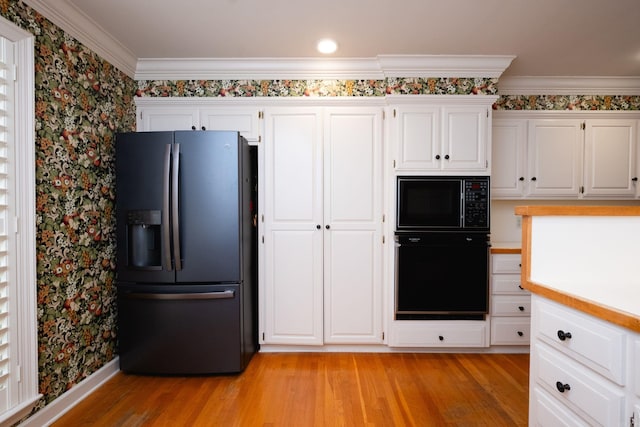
(508, 146)
(464, 138)
(293, 211)
(419, 137)
(555, 158)
(353, 215)
(172, 118)
(610, 158)
(243, 120)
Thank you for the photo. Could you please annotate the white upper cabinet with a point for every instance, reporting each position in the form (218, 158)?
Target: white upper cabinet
(442, 134)
(558, 158)
(555, 158)
(154, 115)
(508, 158)
(610, 158)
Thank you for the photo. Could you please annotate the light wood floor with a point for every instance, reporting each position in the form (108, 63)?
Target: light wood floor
(323, 389)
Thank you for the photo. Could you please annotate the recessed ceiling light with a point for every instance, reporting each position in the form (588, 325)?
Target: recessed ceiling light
(327, 46)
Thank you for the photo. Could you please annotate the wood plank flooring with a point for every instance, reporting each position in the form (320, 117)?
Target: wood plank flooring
(323, 389)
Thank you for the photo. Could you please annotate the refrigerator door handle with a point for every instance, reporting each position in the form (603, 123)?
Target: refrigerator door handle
(166, 238)
(185, 296)
(174, 206)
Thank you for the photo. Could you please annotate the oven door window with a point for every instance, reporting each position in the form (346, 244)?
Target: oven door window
(429, 204)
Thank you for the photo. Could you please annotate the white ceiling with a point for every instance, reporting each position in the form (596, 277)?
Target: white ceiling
(547, 37)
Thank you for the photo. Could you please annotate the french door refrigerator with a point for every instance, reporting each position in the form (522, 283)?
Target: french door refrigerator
(186, 252)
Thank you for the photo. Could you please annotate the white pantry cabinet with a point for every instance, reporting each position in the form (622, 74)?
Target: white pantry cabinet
(442, 134)
(199, 114)
(322, 225)
(547, 156)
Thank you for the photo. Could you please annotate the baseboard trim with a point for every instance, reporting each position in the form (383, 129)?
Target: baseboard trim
(50, 413)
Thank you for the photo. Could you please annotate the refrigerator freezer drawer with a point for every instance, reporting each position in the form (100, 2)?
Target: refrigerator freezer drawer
(193, 331)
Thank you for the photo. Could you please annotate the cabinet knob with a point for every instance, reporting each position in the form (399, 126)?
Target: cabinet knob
(521, 308)
(318, 226)
(520, 286)
(204, 128)
(520, 333)
(437, 156)
(446, 157)
(327, 226)
(562, 387)
(193, 127)
(440, 337)
(534, 179)
(562, 335)
(521, 178)
(634, 179)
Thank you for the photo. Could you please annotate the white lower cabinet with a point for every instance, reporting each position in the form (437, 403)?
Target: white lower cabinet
(581, 369)
(510, 303)
(322, 226)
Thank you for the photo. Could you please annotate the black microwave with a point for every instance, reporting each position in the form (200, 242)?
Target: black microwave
(442, 203)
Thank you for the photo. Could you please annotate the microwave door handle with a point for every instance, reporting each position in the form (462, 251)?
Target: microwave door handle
(174, 205)
(166, 239)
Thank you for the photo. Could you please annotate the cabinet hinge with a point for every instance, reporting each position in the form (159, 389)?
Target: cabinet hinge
(383, 336)
(394, 164)
(384, 217)
(260, 114)
(383, 240)
(383, 115)
(263, 240)
(394, 113)
(583, 125)
(632, 420)
(259, 139)
(262, 217)
(263, 336)
(581, 189)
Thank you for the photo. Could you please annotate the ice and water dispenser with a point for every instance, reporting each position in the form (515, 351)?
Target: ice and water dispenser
(144, 242)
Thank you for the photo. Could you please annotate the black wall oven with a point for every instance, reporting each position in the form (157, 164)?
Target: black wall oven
(442, 248)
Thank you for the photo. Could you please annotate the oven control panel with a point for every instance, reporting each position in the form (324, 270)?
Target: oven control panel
(476, 203)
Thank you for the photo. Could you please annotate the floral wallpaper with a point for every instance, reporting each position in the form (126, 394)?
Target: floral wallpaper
(80, 101)
(568, 102)
(271, 88)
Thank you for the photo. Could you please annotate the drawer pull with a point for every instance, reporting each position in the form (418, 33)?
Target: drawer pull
(520, 333)
(521, 308)
(562, 335)
(441, 338)
(562, 387)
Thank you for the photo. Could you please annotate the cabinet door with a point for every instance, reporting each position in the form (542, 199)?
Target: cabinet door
(353, 225)
(508, 154)
(555, 158)
(610, 149)
(167, 118)
(242, 119)
(418, 133)
(464, 136)
(292, 306)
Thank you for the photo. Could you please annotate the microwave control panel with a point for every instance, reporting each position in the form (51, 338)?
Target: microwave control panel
(476, 203)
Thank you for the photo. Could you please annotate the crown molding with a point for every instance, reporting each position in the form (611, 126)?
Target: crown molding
(378, 67)
(569, 86)
(88, 32)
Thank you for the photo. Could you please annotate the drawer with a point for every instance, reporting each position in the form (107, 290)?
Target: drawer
(510, 331)
(548, 411)
(577, 387)
(507, 284)
(506, 263)
(507, 305)
(593, 342)
(408, 333)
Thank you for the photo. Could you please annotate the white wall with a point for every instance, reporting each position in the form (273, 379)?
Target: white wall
(505, 225)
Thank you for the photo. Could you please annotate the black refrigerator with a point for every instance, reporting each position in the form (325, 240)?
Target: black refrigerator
(186, 252)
